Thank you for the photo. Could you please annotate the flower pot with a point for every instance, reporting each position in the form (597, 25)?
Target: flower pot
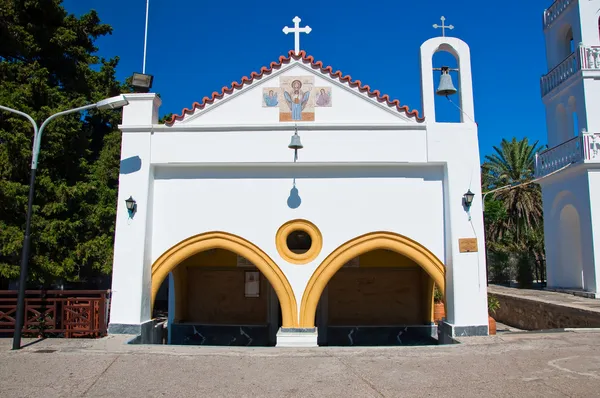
(439, 312)
(492, 325)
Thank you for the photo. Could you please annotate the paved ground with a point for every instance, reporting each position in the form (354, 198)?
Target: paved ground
(557, 298)
(512, 364)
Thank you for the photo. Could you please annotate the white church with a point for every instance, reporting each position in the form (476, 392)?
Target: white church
(570, 168)
(301, 207)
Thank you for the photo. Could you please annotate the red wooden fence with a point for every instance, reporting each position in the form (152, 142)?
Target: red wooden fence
(62, 313)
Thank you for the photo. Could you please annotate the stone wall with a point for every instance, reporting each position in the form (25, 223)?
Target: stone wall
(530, 314)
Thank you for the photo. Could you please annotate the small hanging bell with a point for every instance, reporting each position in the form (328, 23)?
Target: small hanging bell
(446, 87)
(295, 143)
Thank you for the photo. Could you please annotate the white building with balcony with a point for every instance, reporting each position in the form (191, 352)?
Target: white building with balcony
(571, 167)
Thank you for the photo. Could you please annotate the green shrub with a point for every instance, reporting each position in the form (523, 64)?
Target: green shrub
(493, 304)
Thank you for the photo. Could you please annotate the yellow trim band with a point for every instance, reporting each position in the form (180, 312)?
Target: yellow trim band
(223, 240)
(357, 246)
(298, 225)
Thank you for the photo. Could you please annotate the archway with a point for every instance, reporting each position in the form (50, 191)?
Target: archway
(185, 249)
(354, 248)
(571, 263)
(566, 44)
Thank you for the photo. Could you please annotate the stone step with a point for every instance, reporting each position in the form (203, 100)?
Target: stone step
(297, 337)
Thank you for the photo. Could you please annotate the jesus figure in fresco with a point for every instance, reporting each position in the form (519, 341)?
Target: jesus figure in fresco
(297, 99)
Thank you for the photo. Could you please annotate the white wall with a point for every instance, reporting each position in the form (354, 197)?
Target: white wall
(570, 248)
(594, 189)
(272, 146)
(592, 103)
(571, 97)
(568, 188)
(590, 11)
(466, 279)
(343, 202)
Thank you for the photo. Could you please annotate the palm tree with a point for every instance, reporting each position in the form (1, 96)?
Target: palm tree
(512, 164)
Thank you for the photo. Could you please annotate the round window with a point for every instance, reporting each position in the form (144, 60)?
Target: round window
(299, 242)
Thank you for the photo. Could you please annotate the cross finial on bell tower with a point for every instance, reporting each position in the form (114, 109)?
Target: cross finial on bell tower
(296, 30)
(443, 26)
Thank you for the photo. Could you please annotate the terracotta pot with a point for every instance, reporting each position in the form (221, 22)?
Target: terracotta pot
(492, 325)
(439, 312)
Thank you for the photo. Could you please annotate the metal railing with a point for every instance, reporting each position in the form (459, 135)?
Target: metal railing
(62, 313)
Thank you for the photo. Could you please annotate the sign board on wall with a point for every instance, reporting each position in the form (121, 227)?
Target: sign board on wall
(252, 285)
(467, 245)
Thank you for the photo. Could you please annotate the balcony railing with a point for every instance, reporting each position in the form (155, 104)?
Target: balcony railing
(557, 8)
(584, 148)
(583, 58)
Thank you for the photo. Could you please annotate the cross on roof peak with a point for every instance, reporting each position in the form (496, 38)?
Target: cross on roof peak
(296, 30)
(443, 26)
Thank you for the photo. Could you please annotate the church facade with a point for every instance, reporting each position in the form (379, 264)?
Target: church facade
(339, 238)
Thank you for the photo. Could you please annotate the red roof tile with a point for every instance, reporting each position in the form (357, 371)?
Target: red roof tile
(315, 64)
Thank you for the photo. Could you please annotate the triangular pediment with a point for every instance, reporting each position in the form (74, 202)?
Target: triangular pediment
(296, 89)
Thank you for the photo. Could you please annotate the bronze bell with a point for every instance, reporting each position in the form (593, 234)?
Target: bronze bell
(295, 143)
(446, 87)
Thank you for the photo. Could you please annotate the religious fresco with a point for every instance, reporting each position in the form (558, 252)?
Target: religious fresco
(296, 97)
(298, 101)
(323, 97)
(271, 97)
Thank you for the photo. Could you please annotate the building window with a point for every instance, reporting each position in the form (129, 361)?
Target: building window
(299, 242)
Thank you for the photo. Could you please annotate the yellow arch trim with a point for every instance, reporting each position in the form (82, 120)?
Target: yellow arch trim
(360, 245)
(223, 240)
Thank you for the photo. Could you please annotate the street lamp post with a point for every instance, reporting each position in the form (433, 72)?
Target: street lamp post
(110, 103)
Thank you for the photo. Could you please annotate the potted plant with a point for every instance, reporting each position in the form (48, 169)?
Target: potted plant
(439, 311)
(493, 305)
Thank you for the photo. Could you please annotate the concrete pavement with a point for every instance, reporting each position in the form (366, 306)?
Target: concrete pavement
(549, 297)
(512, 364)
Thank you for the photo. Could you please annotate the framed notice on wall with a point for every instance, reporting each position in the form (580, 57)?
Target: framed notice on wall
(252, 285)
(467, 245)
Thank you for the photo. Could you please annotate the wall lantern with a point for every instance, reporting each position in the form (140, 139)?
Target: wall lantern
(295, 144)
(468, 199)
(141, 82)
(131, 205)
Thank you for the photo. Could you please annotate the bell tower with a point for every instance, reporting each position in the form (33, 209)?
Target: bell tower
(461, 52)
(570, 168)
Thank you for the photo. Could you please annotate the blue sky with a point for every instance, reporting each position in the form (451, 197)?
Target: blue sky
(197, 47)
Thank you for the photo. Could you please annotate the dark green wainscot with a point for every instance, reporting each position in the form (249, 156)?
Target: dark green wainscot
(221, 335)
(379, 336)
